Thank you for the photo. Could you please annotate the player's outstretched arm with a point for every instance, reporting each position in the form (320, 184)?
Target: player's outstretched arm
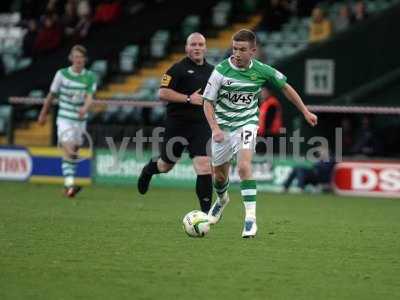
(295, 98)
(217, 133)
(45, 108)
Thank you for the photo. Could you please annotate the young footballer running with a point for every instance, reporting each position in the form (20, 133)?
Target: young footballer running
(74, 87)
(231, 108)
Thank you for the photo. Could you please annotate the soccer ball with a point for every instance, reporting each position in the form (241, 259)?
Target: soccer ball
(195, 224)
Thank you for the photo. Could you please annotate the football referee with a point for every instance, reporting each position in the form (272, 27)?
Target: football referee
(186, 126)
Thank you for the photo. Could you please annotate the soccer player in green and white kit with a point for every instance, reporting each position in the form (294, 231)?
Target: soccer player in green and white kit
(74, 87)
(231, 109)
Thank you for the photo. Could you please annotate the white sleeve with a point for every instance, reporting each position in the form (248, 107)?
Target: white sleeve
(213, 85)
(55, 85)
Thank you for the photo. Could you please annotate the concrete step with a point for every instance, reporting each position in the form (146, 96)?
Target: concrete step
(3, 140)
(32, 140)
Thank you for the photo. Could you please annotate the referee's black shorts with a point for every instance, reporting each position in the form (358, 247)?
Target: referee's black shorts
(194, 137)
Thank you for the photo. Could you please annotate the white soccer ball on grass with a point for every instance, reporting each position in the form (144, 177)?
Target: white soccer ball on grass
(195, 223)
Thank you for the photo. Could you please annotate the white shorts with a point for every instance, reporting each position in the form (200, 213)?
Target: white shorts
(242, 138)
(70, 131)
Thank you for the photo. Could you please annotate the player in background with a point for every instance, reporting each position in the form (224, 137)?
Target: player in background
(231, 109)
(74, 87)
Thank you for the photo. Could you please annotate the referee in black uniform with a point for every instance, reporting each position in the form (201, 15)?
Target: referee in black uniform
(182, 86)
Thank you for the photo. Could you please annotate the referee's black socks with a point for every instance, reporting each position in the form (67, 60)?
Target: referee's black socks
(204, 190)
(204, 186)
(145, 176)
(151, 168)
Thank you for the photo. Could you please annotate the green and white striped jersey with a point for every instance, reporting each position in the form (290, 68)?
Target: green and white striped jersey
(71, 89)
(235, 92)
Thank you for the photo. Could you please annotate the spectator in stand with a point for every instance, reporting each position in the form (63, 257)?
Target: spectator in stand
(84, 8)
(343, 19)
(70, 18)
(270, 120)
(76, 20)
(276, 14)
(30, 37)
(270, 117)
(320, 26)
(107, 12)
(49, 36)
(54, 7)
(360, 11)
(84, 11)
(367, 143)
(319, 173)
(347, 135)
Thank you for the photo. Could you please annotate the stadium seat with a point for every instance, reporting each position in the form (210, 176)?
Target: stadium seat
(303, 34)
(16, 32)
(128, 58)
(190, 24)
(10, 19)
(159, 43)
(36, 94)
(275, 37)
(157, 114)
(288, 50)
(249, 6)
(214, 55)
(221, 13)
(15, 18)
(11, 48)
(126, 113)
(273, 52)
(31, 114)
(5, 117)
(305, 22)
(110, 114)
(100, 68)
(371, 6)
(151, 83)
(292, 25)
(23, 63)
(10, 62)
(137, 115)
(292, 37)
(3, 32)
(262, 37)
(2, 126)
(144, 94)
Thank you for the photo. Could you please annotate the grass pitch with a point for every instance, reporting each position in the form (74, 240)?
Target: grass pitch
(111, 243)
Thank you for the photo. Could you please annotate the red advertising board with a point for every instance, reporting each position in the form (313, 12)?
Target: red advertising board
(367, 179)
(15, 164)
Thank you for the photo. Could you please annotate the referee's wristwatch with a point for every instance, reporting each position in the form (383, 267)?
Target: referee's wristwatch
(188, 100)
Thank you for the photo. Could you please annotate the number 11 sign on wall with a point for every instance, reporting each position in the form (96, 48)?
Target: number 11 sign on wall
(320, 77)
